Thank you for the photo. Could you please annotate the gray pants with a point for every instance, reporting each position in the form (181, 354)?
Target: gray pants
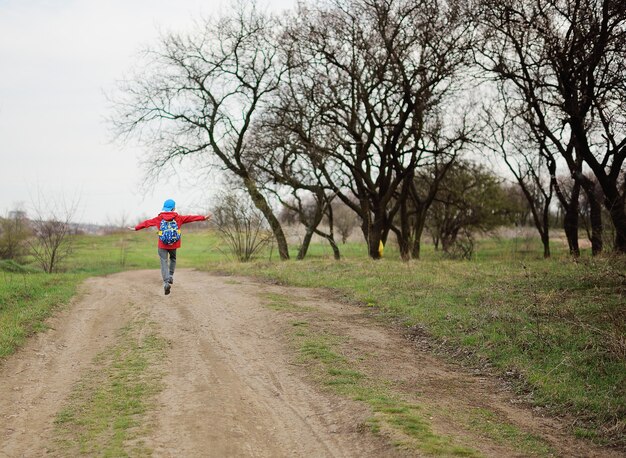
(167, 269)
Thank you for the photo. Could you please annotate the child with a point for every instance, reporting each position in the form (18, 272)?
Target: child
(169, 223)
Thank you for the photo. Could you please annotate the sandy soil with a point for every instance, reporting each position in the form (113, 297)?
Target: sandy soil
(231, 386)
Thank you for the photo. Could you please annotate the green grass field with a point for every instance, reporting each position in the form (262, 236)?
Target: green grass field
(555, 328)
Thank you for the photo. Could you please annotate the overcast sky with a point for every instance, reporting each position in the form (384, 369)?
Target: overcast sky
(58, 60)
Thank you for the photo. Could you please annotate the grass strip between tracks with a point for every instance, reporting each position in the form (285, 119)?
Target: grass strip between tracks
(105, 414)
(404, 422)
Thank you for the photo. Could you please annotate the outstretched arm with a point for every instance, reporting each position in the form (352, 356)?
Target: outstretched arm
(191, 218)
(147, 223)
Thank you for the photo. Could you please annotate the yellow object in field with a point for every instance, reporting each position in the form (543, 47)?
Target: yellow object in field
(381, 248)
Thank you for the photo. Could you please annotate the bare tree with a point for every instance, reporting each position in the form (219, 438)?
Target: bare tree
(364, 96)
(52, 239)
(565, 62)
(532, 164)
(588, 217)
(309, 209)
(293, 175)
(198, 95)
(241, 226)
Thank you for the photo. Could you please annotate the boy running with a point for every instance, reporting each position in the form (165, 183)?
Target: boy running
(169, 223)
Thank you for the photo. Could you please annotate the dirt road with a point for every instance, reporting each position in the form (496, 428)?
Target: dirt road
(232, 384)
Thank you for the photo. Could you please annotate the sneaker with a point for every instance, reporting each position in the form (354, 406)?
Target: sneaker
(171, 280)
(167, 289)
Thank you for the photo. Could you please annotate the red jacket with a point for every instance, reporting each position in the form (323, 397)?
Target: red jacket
(168, 216)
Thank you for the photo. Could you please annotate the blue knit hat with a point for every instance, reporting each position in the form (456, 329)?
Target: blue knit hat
(169, 205)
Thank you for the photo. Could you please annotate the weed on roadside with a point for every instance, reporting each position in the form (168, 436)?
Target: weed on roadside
(26, 300)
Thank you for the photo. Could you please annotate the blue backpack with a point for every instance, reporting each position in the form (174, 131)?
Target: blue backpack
(169, 232)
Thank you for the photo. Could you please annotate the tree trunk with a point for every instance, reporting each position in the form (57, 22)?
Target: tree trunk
(365, 216)
(445, 244)
(420, 220)
(595, 214)
(376, 234)
(618, 217)
(261, 203)
(570, 225)
(614, 203)
(304, 247)
(613, 199)
(404, 247)
(450, 237)
(570, 221)
(545, 229)
(570, 210)
(375, 237)
(597, 229)
(333, 245)
(331, 240)
(545, 240)
(404, 234)
(374, 231)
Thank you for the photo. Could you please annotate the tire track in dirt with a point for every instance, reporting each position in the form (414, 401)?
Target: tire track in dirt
(229, 389)
(450, 394)
(230, 386)
(36, 380)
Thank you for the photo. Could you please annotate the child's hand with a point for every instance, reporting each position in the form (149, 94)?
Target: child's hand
(131, 228)
(208, 217)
